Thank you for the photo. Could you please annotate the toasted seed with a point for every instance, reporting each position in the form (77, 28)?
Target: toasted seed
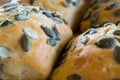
(58, 20)
(24, 4)
(11, 9)
(58, 37)
(52, 42)
(41, 7)
(25, 12)
(77, 3)
(96, 6)
(87, 15)
(96, 25)
(65, 21)
(5, 52)
(105, 43)
(86, 32)
(93, 31)
(93, 2)
(36, 9)
(10, 4)
(116, 32)
(74, 77)
(116, 54)
(57, 14)
(85, 40)
(94, 18)
(30, 33)
(117, 13)
(20, 17)
(66, 4)
(5, 23)
(114, 5)
(49, 32)
(25, 43)
(48, 14)
(32, 2)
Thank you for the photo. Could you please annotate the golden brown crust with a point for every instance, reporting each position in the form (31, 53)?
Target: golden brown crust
(72, 14)
(92, 58)
(100, 13)
(37, 60)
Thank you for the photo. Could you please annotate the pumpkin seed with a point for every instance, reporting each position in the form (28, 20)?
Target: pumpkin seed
(58, 20)
(96, 25)
(11, 9)
(116, 32)
(117, 13)
(74, 77)
(114, 5)
(10, 4)
(58, 37)
(25, 43)
(49, 32)
(65, 21)
(77, 3)
(30, 33)
(87, 15)
(57, 14)
(93, 31)
(48, 14)
(96, 6)
(32, 2)
(52, 42)
(85, 40)
(66, 4)
(94, 18)
(25, 12)
(24, 4)
(5, 52)
(116, 54)
(105, 43)
(5, 23)
(20, 17)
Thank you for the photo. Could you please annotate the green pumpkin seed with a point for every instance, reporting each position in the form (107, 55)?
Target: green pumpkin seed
(49, 32)
(5, 23)
(25, 43)
(114, 5)
(116, 32)
(5, 52)
(10, 4)
(74, 77)
(52, 42)
(85, 40)
(66, 4)
(30, 33)
(58, 37)
(116, 54)
(20, 17)
(105, 43)
(11, 9)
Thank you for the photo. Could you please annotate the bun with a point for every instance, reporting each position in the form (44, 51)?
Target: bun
(101, 12)
(94, 55)
(72, 10)
(30, 42)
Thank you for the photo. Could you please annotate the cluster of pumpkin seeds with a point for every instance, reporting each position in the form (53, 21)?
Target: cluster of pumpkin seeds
(93, 15)
(53, 34)
(26, 43)
(69, 3)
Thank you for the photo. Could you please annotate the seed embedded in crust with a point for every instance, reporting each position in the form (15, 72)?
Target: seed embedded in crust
(5, 52)
(52, 42)
(66, 4)
(74, 77)
(48, 14)
(117, 13)
(49, 32)
(30, 33)
(85, 40)
(114, 5)
(20, 17)
(5, 23)
(96, 6)
(116, 32)
(94, 18)
(32, 2)
(87, 15)
(58, 37)
(116, 54)
(58, 20)
(105, 43)
(25, 43)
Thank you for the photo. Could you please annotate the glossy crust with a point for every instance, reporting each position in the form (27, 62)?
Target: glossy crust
(35, 64)
(87, 61)
(72, 14)
(104, 13)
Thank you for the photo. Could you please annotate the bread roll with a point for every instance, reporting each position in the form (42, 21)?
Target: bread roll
(101, 12)
(72, 10)
(30, 42)
(94, 55)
